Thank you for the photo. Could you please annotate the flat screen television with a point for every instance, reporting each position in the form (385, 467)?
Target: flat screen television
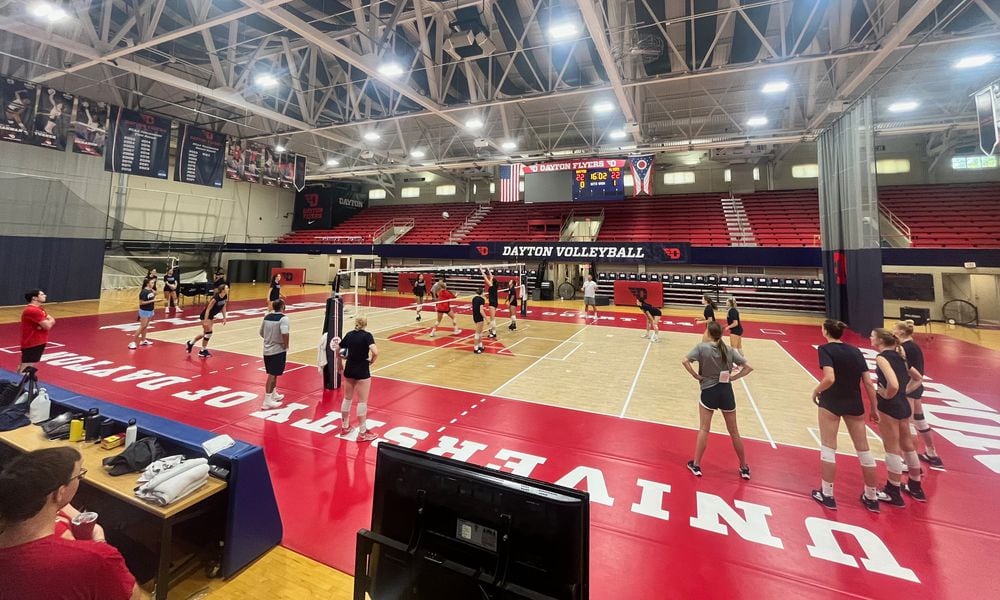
(444, 529)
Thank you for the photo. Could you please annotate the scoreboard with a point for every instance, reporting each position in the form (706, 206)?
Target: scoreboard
(601, 183)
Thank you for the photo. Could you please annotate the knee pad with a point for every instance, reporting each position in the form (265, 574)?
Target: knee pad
(207, 336)
(894, 463)
(921, 424)
(912, 461)
(345, 406)
(828, 455)
(867, 459)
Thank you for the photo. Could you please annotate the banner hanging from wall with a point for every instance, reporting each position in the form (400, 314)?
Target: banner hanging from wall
(53, 113)
(200, 156)
(269, 171)
(602, 252)
(642, 174)
(90, 126)
(573, 165)
(137, 144)
(244, 161)
(300, 172)
(988, 114)
(19, 110)
(286, 170)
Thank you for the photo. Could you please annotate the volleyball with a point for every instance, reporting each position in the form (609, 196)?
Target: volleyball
(445, 215)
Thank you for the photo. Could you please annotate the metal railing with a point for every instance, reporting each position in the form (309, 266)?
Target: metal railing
(454, 236)
(584, 215)
(379, 235)
(896, 222)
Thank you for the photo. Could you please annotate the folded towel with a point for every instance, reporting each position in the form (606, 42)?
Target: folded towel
(165, 491)
(159, 466)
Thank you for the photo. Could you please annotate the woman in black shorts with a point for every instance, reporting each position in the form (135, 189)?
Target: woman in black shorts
(492, 289)
(915, 356)
(477, 320)
(838, 396)
(419, 291)
(895, 380)
(709, 315)
(216, 304)
(652, 315)
(512, 290)
(715, 365)
(357, 354)
(275, 292)
(170, 285)
(734, 326)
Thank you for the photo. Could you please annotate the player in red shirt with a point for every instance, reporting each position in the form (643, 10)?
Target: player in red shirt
(35, 562)
(443, 307)
(35, 326)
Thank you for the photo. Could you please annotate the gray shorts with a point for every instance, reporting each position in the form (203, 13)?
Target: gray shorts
(589, 301)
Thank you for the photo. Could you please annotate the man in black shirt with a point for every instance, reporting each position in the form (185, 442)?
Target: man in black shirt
(477, 318)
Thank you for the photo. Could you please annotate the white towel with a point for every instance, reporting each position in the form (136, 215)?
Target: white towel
(159, 466)
(171, 489)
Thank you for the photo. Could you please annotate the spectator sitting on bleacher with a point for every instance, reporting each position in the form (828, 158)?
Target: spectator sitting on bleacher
(35, 562)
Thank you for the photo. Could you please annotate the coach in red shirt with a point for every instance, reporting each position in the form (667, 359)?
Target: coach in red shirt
(35, 563)
(35, 326)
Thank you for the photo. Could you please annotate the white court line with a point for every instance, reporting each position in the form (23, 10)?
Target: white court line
(539, 360)
(760, 417)
(447, 345)
(635, 380)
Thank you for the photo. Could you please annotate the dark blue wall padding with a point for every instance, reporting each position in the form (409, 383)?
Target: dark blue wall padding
(66, 268)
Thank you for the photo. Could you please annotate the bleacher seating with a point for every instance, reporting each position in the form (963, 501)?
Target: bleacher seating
(512, 222)
(429, 227)
(943, 216)
(786, 218)
(694, 218)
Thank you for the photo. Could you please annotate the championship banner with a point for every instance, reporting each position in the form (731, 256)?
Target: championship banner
(52, 119)
(286, 171)
(628, 292)
(602, 252)
(138, 144)
(269, 173)
(19, 110)
(642, 174)
(200, 156)
(300, 172)
(90, 126)
(988, 113)
(573, 165)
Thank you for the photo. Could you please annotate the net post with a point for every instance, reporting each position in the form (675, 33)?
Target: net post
(333, 327)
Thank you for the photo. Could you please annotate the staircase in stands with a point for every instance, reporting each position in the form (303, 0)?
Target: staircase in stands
(737, 223)
(470, 223)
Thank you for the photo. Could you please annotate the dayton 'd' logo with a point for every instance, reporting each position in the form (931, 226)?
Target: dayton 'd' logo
(312, 200)
(640, 293)
(672, 253)
(483, 250)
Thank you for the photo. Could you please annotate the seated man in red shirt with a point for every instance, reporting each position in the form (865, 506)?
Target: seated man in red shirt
(35, 326)
(39, 565)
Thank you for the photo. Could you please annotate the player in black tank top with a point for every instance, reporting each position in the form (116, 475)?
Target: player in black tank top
(493, 296)
(915, 356)
(274, 292)
(512, 293)
(357, 354)
(419, 291)
(838, 396)
(708, 314)
(734, 325)
(170, 288)
(478, 302)
(895, 379)
(652, 315)
(216, 305)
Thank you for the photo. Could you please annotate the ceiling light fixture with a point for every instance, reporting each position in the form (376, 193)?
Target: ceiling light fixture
(265, 80)
(618, 134)
(280, 148)
(332, 162)
(509, 145)
(604, 106)
(563, 31)
(774, 87)
(371, 136)
(903, 106)
(474, 123)
(971, 62)
(48, 11)
(417, 153)
(390, 69)
(756, 121)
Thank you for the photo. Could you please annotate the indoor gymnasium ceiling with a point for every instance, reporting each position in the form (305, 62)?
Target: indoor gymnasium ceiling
(542, 77)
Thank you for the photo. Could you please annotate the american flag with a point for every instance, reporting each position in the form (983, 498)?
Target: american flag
(510, 182)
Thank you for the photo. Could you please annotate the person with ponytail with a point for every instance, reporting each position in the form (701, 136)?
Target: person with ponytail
(357, 354)
(708, 313)
(838, 396)
(896, 379)
(915, 356)
(715, 375)
(36, 563)
(734, 325)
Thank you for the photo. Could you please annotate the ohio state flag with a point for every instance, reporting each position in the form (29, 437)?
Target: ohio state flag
(642, 174)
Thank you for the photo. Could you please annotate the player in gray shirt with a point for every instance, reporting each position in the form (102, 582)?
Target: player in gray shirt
(274, 329)
(715, 365)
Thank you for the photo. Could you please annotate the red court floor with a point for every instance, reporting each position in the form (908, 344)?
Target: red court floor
(656, 531)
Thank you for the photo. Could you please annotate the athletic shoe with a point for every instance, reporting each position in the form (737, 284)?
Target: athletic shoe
(654, 339)
(418, 317)
(345, 429)
(145, 343)
(870, 504)
(512, 327)
(131, 346)
(270, 403)
(745, 472)
(204, 353)
(366, 436)
(916, 492)
(891, 495)
(277, 396)
(694, 468)
(432, 333)
(934, 461)
(827, 501)
(477, 350)
(190, 346)
(645, 335)
(457, 331)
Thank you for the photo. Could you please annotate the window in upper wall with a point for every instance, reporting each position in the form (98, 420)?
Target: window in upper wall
(973, 163)
(629, 182)
(727, 175)
(376, 194)
(409, 192)
(892, 166)
(446, 190)
(493, 188)
(805, 171)
(678, 178)
(520, 186)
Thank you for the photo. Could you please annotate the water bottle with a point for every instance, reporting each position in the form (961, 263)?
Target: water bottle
(40, 408)
(130, 433)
